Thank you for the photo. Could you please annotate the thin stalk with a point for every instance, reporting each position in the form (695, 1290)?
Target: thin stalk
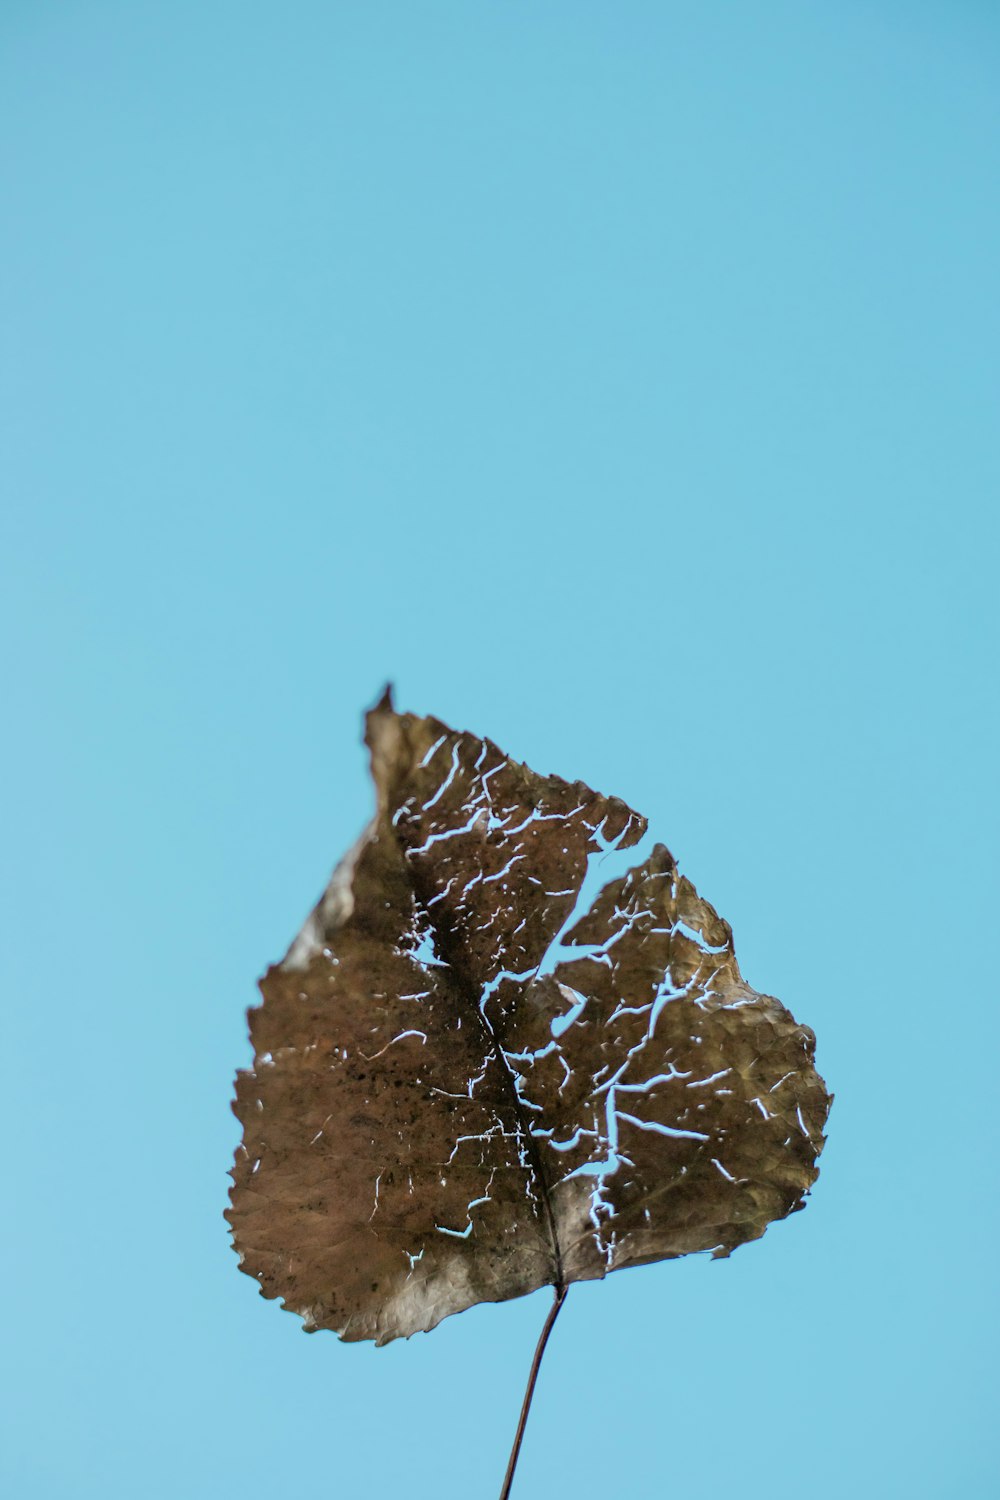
(559, 1299)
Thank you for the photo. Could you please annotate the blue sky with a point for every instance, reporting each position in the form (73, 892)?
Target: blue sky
(621, 381)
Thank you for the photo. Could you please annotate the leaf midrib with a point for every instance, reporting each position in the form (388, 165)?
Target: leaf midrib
(451, 950)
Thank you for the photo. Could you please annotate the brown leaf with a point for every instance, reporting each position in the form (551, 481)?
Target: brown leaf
(455, 1099)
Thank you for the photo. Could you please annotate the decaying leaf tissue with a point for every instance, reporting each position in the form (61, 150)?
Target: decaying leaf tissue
(488, 1063)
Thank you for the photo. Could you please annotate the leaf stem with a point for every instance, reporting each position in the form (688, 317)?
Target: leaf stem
(558, 1300)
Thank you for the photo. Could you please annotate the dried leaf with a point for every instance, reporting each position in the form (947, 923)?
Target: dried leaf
(477, 1073)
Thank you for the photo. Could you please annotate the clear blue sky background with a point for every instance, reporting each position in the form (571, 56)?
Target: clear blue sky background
(621, 379)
